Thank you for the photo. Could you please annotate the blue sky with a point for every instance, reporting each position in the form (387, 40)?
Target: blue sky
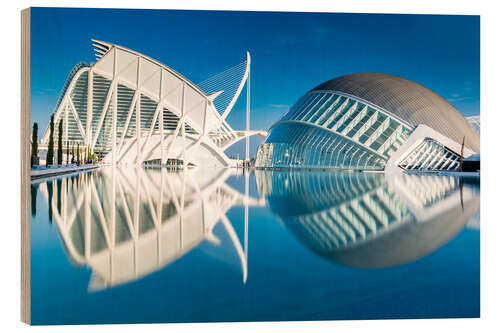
(291, 52)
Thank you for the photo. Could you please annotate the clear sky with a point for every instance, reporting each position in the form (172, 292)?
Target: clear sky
(291, 52)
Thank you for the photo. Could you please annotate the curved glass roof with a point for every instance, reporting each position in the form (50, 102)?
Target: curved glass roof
(408, 101)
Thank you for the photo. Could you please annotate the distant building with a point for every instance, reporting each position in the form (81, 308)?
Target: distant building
(369, 121)
(475, 123)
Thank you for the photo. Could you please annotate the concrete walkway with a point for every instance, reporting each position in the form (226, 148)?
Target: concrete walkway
(40, 173)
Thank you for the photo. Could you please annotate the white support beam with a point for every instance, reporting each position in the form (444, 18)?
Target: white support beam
(319, 110)
(65, 99)
(377, 132)
(361, 158)
(87, 223)
(174, 136)
(113, 125)
(390, 140)
(236, 243)
(342, 224)
(335, 113)
(423, 154)
(307, 109)
(376, 211)
(441, 160)
(183, 124)
(437, 158)
(77, 119)
(102, 217)
(391, 205)
(354, 222)
(162, 134)
(247, 146)
(126, 209)
(345, 116)
(113, 209)
(300, 110)
(430, 155)
(367, 218)
(246, 78)
(448, 163)
(66, 125)
(90, 105)
(307, 113)
(348, 153)
(115, 111)
(127, 121)
(340, 236)
(410, 159)
(368, 123)
(325, 112)
(159, 107)
(138, 114)
(103, 112)
(355, 121)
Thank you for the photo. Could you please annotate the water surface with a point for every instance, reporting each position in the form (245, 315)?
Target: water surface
(134, 245)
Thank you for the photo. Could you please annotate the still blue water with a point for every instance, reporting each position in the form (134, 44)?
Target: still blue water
(138, 245)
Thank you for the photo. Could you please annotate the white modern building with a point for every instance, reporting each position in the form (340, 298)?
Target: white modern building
(370, 121)
(135, 109)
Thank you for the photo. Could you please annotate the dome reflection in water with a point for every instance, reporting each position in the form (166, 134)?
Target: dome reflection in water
(326, 245)
(125, 224)
(370, 220)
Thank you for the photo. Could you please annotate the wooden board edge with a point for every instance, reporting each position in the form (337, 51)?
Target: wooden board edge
(25, 165)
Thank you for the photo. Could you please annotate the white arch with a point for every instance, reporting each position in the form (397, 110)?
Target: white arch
(143, 99)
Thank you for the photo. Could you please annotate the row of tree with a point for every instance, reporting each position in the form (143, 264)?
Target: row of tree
(85, 155)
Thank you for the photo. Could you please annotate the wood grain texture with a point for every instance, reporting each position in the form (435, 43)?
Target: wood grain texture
(25, 166)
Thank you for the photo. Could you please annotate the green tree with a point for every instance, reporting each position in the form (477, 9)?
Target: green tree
(78, 154)
(67, 152)
(34, 143)
(50, 151)
(59, 144)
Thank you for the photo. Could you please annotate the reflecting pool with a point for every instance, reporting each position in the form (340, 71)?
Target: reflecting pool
(134, 245)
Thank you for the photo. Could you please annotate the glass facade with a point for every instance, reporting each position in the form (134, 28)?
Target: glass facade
(303, 146)
(431, 155)
(327, 129)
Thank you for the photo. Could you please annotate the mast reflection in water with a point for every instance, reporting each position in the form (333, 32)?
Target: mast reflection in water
(127, 223)
(131, 245)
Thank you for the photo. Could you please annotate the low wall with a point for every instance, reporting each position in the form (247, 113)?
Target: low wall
(39, 173)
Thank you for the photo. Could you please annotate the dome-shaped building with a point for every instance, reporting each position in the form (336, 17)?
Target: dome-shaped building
(369, 121)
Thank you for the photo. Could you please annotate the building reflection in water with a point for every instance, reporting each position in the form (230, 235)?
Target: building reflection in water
(125, 223)
(370, 220)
